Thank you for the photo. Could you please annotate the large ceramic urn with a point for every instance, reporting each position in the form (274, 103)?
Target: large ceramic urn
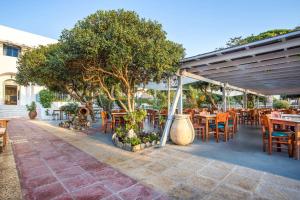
(182, 130)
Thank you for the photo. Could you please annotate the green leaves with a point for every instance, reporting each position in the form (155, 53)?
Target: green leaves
(236, 41)
(113, 51)
(31, 107)
(281, 104)
(120, 45)
(46, 98)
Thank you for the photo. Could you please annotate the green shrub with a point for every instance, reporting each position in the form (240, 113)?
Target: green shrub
(31, 107)
(133, 119)
(133, 141)
(281, 104)
(71, 108)
(46, 98)
(153, 137)
(120, 133)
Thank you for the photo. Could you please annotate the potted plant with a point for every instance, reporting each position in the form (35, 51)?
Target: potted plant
(32, 110)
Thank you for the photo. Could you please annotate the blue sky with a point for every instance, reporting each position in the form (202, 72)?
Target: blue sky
(201, 26)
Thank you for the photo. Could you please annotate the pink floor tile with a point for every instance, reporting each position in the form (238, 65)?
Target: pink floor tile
(48, 191)
(96, 191)
(64, 197)
(93, 166)
(70, 172)
(40, 180)
(106, 174)
(113, 197)
(59, 165)
(119, 182)
(139, 192)
(78, 182)
(33, 172)
(51, 168)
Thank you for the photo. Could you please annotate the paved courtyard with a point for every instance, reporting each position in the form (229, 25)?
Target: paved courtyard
(55, 163)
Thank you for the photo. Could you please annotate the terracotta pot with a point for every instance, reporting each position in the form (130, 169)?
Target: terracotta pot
(182, 130)
(32, 114)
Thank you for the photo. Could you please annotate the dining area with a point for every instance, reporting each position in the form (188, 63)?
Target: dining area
(280, 132)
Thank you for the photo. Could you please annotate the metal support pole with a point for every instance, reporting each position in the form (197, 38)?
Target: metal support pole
(245, 99)
(224, 98)
(257, 102)
(180, 103)
(164, 137)
(169, 94)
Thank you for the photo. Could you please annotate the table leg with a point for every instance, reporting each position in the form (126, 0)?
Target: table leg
(297, 156)
(206, 129)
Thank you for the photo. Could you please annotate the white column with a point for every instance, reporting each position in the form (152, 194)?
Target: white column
(1, 49)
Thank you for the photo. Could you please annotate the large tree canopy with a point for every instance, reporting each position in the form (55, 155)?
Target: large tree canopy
(118, 49)
(111, 51)
(48, 66)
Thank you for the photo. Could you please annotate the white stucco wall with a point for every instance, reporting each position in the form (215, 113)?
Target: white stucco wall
(8, 65)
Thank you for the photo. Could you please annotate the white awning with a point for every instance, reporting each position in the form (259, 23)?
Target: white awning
(270, 66)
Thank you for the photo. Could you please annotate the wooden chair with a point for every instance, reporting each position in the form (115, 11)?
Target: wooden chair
(3, 132)
(199, 127)
(232, 123)
(3, 135)
(253, 117)
(106, 122)
(221, 126)
(270, 137)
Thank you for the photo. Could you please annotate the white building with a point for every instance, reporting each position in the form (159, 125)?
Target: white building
(14, 97)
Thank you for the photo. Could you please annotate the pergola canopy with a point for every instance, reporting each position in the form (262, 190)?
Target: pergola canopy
(270, 66)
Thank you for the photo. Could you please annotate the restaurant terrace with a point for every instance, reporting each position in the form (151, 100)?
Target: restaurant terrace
(167, 145)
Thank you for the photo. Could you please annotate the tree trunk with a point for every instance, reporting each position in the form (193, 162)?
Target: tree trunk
(89, 106)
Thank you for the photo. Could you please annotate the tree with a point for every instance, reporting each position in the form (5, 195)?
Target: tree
(207, 90)
(118, 51)
(46, 98)
(49, 66)
(236, 41)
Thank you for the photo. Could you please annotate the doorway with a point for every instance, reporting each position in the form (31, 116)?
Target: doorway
(11, 94)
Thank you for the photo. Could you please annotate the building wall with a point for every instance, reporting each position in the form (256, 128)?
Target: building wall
(8, 69)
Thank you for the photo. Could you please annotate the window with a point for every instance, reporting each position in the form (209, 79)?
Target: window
(11, 51)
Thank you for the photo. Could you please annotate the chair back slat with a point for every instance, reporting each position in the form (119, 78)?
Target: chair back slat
(222, 117)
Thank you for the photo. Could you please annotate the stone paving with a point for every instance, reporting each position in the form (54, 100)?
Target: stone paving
(51, 168)
(170, 171)
(9, 181)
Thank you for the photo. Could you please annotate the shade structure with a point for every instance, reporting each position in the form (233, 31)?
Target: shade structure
(270, 66)
(164, 85)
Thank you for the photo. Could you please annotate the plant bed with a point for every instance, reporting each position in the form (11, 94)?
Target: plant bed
(135, 143)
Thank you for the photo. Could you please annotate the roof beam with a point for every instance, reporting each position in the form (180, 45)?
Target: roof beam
(258, 69)
(262, 58)
(201, 78)
(243, 53)
(245, 46)
(272, 76)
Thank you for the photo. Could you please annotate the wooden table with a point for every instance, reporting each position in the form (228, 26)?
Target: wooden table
(60, 112)
(116, 115)
(290, 121)
(3, 130)
(207, 118)
(4, 122)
